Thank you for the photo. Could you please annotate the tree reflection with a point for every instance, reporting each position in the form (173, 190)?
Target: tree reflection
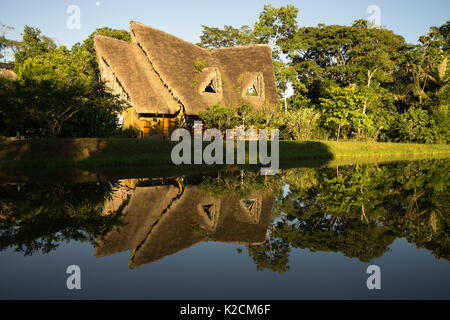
(359, 211)
(37, 217)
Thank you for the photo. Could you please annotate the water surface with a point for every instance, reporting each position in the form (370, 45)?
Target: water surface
(304, 234)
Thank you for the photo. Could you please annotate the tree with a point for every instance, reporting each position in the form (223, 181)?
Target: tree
(38, 217)
(59, 109)
(285, 74)
(58, 92)
(33, 45)
(3, 41)
(350, 56)
(247, 117)
(376, 55)
(213, 38)
(360, 210)
(276, 27)
(11, 115)
(436, 50)
(220, 117)
(427, 65)
(342, 109)
(58, 65)
(273, 255)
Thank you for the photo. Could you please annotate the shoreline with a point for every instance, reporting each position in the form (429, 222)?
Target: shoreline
(117, 153)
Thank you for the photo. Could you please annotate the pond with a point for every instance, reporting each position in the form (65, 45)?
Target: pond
(307, 233)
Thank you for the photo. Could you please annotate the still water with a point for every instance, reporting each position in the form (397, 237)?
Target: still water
(304, 234)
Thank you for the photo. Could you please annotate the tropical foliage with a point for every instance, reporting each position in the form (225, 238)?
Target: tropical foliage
(58, 92)
(334, 82)
(366, 83)
(359, 211)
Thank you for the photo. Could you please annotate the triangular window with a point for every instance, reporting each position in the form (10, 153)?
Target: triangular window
(210, 88)
(252, 92)
(210, 213)
(248, 204)
(209, 210)
(254, 86)
(253, 208)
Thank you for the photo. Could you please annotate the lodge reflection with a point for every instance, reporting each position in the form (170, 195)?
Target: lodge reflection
(161, 218)
(357, 211)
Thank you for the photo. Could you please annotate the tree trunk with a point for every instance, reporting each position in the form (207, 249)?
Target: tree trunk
(285, 103)
(369, 80)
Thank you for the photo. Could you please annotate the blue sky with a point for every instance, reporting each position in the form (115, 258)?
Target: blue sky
(184, 18)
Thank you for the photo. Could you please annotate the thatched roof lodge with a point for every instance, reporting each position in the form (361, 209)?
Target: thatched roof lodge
(162, 220)
(163, 77)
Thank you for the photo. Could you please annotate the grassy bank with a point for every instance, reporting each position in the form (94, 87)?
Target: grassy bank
(88, 153)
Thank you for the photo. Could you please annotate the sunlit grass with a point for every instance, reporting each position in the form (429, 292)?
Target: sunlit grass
(90, 153)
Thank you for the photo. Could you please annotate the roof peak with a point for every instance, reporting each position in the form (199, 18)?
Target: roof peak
(132, 23)
(193, 44)
(100, 36)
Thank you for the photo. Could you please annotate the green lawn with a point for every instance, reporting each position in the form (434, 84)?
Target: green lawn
(58, 153)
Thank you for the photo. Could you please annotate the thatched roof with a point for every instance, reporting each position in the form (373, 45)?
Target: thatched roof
(241, 66)
(144, 208)
(159, 223)
(8, 74)
(173, 61)
(131, 67)
(239, 226)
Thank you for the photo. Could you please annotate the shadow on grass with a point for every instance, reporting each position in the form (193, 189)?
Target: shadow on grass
(94, 159)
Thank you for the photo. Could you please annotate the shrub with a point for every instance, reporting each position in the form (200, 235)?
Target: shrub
(127, 133)
(220, 117)
(199, 66)
(301, 124)
(441, 119)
